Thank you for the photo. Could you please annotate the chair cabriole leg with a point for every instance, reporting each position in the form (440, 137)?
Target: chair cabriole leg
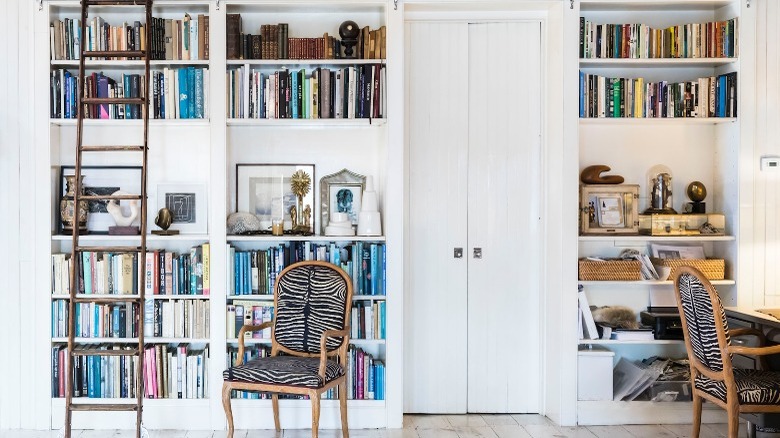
(275, 405)
(315, 413)
(228, 409)
(343, 408)
(697, 401)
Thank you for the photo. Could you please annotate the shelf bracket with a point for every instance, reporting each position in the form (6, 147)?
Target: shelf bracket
(395, 5)
(571, 4)
(218, 4)
(40, 5)
(748, 3)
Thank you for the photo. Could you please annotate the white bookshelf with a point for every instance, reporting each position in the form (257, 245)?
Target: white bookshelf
(704, 149)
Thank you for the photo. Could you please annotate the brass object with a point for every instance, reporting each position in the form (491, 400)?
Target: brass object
(592, 175)
(164, 219)
(301, 215)
(696, 191)
(67, 206)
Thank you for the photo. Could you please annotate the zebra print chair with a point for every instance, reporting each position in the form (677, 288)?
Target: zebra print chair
(708, 342)
(312, 304)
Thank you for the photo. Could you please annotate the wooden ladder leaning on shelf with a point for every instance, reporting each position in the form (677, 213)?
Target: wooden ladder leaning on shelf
(137, 299)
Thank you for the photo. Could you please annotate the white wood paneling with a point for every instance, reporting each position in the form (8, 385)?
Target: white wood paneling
(435, 302)
(504, 172)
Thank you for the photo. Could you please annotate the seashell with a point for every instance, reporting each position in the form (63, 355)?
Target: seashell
(242, 223)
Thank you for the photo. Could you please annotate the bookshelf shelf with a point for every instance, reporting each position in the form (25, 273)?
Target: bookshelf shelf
(150, 297)
(153, 123)
(149, 238)
(149, 339)
(308, 123)
(282, 63)
(684, 121)
(655, 62)
(647, 283)
(616, 342)
(653, 5)
(130, 64)
(271, 297)
(260, 341)
(269, 238)
(617, 238)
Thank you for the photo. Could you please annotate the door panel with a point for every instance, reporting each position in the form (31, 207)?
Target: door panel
(435, 304)
(504, 217)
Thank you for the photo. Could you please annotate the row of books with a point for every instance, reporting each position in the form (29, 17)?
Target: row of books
(95, 320)
(368, 320)
(714, 96)
(254, 272)
(180, 93)
(63, 97)
(365, 375)
(177, 318)
(717, 39)
(165, 272)
(240, 313)
(346, 93)
(177, 94)
(274, 42)
(169, 372)
(185, 39)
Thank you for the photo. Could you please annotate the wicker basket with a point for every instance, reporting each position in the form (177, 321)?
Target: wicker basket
(610, 270)
(713, 269)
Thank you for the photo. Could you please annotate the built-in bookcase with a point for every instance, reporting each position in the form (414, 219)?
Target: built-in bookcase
(197, 143)
(695, 144)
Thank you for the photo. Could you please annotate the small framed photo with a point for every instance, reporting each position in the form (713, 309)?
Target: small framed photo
(102, 180)
(609, 209)
(266, 191)
(188, 203)
(341, 192)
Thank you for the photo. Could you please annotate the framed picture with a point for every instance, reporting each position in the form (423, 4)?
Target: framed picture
(101, 180)
(265, 190)
(609, 209)
(189, 205)
(341, 192)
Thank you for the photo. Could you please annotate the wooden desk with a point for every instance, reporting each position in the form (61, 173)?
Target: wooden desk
(745, 317)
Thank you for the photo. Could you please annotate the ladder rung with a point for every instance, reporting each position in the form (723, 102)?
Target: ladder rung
(115, 53)
(103, 407)
(111, 148)
(107, 300)
(118, 100)
(111, 197)
(93, 352)
(108, 248)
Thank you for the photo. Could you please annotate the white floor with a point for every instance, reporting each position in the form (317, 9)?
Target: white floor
(431, 426)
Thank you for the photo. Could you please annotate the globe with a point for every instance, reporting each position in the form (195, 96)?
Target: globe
(696, 191)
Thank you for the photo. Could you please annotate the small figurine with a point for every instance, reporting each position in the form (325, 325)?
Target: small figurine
(124, 223)
(294, 217)
(164, 219)
(592, 175)
(307, 217)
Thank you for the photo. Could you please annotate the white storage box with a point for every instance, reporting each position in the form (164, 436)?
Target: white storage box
(594, 373)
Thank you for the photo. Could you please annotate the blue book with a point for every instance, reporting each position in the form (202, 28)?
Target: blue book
(374, 269)
(191, 110)
(294, 92)
(248, 273)
(115, 321)
(199, 111)
(261, 95)
(77, 316)
(96, 321)
(582, 94)
(91, 376)
(68, 91)
(184, 104)
(384, 269)
(126, 88)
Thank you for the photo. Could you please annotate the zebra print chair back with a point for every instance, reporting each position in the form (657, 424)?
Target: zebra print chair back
(310, 298)
(705, 321)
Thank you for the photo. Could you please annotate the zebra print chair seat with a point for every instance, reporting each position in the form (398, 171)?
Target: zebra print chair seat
(754, 387)
(312, 305)
(284, 370)
(708, 342)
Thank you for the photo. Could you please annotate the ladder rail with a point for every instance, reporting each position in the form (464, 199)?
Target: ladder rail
(76, 249)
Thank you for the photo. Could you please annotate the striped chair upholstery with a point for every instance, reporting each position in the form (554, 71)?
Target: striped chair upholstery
(700, 318)
(311, 300)
(753, 387)
(284, 370)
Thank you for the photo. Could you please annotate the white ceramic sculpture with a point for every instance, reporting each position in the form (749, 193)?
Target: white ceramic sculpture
(369, 219)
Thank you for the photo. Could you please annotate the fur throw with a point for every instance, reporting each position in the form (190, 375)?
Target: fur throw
(615, 316)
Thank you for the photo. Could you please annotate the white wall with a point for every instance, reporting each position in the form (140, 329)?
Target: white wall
(16, 195)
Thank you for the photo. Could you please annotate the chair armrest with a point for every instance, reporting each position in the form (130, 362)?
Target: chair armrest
(324, 352)
(749, 332)
(244, 329)
(754, 351)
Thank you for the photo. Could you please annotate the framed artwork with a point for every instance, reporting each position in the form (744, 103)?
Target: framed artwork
(101, 180)
(189, 205)
(266, 191)
(341, 192)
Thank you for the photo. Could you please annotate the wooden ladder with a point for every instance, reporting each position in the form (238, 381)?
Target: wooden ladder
(119, 348)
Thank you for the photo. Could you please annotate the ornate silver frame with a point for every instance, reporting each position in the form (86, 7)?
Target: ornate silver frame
(343, 177)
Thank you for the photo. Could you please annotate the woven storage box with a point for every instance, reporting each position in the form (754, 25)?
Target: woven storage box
(610, 270)
(713, 269)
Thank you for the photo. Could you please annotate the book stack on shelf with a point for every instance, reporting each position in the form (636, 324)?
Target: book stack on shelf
(171, 372)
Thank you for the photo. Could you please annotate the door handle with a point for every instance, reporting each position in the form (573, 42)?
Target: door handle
(477, 253)
(457, 253)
